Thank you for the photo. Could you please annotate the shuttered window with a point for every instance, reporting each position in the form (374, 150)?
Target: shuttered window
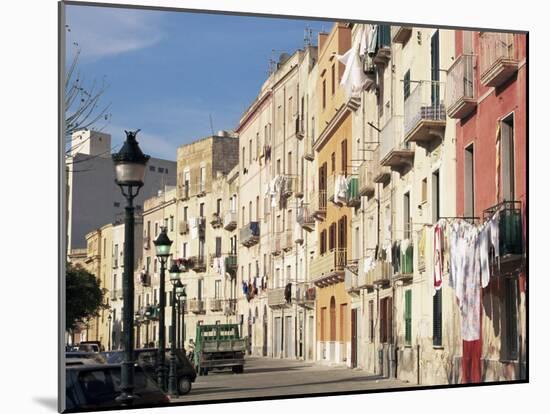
(408, 317)
(511, 292)
(437, 326)
(371, 321)
(383, 321)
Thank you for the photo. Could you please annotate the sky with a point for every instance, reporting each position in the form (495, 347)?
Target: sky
(169, 72)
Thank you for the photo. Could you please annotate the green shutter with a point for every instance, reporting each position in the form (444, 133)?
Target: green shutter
(408, 316)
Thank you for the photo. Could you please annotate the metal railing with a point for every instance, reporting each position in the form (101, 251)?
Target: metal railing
(510, 226)
(495, 47)
(195, 305)
(318, 200)
(305, 218)
(230, 220)
(249, 234)
(183, 226)
(276, 297)
(460, 81)
(391, 136)
(329, 263)
(216, 305)
(426, 102)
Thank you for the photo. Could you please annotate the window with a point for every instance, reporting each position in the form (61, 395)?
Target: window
(199, 289)
(156, 229)
(371, 320)
(116, 204)
(201, 209)
(171, 223)
(152, 168)
(148, 265)
(257, 145)
(344, 147)
(217, 289)
(218, 246)
(408, 316)
(289, 163)
(116, 255)
(249, 211)
(219, 206)
(166, 223)
(257, 208)
(437, 318)
(278, 166)
(184, 250)
(332, 237)
(436, 197)
(323, 242)
(407, 216)
(155, 265)
(332, 163)
(166, 170)
(424, 190)
(290, 112)
(467, 42)
(469, 181)
(323, 323)
(324, 93)
(202, 184)
(407, 85)
(385, 320)
(333, 78)
(511, 322)
(507, 158)
(244, 157)
(185, 213)
(160, 170)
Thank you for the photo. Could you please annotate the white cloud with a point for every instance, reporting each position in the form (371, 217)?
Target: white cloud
(105, 31)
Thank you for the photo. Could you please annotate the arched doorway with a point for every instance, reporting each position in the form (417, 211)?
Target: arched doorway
(332, 330)
(264, 345)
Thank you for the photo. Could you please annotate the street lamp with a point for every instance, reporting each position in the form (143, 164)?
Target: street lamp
(172, 376)
(110, 318)
(129, 173)
(162, 247)
(180, 295)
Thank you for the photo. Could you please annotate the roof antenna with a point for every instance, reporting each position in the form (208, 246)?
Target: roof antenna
(211, 125)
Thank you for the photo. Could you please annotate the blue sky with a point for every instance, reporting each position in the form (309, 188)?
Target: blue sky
(169, 71)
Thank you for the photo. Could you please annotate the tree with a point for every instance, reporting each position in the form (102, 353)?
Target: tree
(82, 101)
(84, 296)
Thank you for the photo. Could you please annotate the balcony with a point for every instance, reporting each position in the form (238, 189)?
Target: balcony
(146, 242)
(353, 199)
(184, 191)
(197, 263)
(497, 56)
(200, 187)
(216, 305)
(366, 182)
(380, 174)
(351, 282)
(216, 221)
(309, 153)
(401, 34)
(300, 130)
(298, 186)
(380, 274)
(287, 239)
(364, 279)
(406, 268)
(249, 234)
(117, 294)
(145, 278)
(340, 198)
(318, 200)
(305, 219)
(230, 220)
(510, 233)
(231, 263)
(230, 307)
(289, 185)
(276, 244)
(329, 268)
(425, 115)
(195, 305)
(461, 94)
(276, 298)
(383, 45)
(183, 227)
(305, 295)
(395, 153)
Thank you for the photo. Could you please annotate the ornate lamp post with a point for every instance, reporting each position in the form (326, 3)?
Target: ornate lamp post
(110, 318)
(180, 294)
(129, 173)
(162, 246)
(172, 376)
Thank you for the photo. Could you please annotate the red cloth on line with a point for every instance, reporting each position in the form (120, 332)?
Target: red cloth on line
(471, 361)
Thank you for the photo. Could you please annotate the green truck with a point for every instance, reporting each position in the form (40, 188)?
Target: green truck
(219, 346)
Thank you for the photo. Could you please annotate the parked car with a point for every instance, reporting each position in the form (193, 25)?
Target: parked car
(81, 358)
(147, 359)
(92, 387)
(89, 346)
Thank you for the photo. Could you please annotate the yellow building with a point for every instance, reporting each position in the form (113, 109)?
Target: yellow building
(330, 204)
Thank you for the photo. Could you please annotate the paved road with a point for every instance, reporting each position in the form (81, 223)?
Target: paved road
(265, 377)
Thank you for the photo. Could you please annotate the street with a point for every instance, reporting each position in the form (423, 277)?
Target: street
(265, 377)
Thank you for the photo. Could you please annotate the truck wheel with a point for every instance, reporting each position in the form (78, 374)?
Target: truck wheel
(184, 386)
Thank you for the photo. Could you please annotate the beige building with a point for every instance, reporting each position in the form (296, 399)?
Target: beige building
(275, 299)
(206, 221)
